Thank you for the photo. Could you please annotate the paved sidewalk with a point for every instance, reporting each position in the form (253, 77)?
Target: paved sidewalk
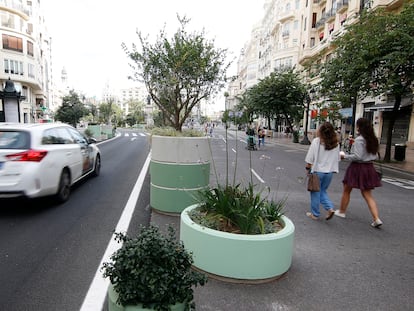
(338, 265)
(406, 166)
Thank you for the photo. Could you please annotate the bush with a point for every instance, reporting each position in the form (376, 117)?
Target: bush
(152, 269)
(169, 131)
(238, 210)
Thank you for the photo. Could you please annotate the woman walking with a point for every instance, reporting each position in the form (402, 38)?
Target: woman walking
(323, 158)
(361, 173)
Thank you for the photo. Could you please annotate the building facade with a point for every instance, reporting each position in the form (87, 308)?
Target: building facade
(294, 32)
(25, 59)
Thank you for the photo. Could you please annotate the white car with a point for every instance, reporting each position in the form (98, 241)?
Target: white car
(44, 159)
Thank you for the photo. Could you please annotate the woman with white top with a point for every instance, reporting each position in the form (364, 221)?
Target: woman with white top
(361, 173)
(323, 158)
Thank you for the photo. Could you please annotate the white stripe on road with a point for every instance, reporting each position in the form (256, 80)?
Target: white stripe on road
(95, 297)
(257, 176)
(142, 134)
(234, 150)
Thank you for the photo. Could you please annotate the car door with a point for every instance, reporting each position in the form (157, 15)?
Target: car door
(62, 152)
(86, 150)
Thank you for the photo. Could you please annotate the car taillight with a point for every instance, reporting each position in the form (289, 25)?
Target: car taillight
(29, 155)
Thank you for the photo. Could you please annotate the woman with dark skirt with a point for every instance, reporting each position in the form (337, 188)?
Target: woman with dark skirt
(361, 173)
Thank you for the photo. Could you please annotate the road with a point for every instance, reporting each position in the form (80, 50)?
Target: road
(49, 253)
(340, 264)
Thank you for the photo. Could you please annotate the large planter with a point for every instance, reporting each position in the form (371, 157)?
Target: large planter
(113, 306)
(180, 167)
(256, 258)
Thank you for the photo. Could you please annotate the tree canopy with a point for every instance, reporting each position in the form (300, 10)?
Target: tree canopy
(179, 72)
(375, 56)
(71, 110)
(281, 94)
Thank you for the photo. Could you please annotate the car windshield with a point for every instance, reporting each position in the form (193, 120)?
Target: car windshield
(14, 140)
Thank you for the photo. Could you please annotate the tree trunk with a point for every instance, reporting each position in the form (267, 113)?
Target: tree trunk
(394, 113)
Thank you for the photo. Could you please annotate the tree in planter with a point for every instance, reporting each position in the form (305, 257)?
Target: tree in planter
(377, 53)
(179, 72)
(152, 269)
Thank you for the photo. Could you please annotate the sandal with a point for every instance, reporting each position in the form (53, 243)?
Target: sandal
(330, 214)
(311, 216)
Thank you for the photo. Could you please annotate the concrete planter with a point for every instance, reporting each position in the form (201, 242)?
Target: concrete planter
(113, 306)
(238, 256)
(180, 167)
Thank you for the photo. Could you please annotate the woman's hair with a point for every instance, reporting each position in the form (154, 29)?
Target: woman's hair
(367, 131)
(328, 136)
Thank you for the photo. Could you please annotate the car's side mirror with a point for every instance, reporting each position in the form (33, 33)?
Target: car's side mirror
(92, 140)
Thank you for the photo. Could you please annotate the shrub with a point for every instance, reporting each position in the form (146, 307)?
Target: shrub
(152, 269)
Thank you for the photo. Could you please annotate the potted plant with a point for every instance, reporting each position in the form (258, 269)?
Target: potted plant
(236, 232)
(295, 136)
(151, 271)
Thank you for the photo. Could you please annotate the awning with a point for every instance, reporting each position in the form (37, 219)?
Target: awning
(388, 106)
(346, 112)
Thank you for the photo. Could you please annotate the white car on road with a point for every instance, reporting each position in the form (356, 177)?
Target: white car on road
(44, 159)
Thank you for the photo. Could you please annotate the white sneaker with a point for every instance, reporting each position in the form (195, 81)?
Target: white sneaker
(377, 223)
(339, 214)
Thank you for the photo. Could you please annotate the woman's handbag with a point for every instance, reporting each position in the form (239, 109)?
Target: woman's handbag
(314, 183)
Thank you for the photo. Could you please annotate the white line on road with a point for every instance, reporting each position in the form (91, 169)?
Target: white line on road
(234, 150)
(257, 176)
(95, 297)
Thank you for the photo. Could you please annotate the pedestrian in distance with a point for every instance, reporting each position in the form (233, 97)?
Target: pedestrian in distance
(323, 159)
(361, 173)
(261, 137)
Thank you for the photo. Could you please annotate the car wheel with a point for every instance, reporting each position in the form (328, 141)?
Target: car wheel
(63, 192)
(97, 169)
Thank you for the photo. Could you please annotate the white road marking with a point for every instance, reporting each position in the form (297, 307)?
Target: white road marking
(400, 182)
(142, 134)
(96, 295)
(257, 176)
(234, 150)
(133, 138)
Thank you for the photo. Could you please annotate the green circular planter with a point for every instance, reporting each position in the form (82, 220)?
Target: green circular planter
(179, 168)
(113, 306)
(259, 257)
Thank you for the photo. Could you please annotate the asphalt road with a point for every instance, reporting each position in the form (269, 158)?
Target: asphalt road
(49, 253)
(341, 264)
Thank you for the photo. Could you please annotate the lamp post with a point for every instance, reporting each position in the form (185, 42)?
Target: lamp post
(10, 105)
(305, 140)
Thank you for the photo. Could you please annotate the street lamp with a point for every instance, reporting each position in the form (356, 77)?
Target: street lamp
(10, 107)
(305, 140)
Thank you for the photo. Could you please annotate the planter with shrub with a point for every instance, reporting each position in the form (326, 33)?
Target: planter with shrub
(151, 271)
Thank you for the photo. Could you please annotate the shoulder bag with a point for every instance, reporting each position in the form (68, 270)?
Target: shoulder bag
(314, 184)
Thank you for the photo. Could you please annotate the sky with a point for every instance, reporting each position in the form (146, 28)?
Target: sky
(87, 34)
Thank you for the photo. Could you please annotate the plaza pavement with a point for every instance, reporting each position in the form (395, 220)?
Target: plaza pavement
(343, 264)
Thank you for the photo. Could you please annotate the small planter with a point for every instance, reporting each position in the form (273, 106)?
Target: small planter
(180, 167)
(113, 306)
(261, 257)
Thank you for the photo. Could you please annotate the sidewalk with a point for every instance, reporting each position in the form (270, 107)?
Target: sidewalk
(406, 166)
(338, 265)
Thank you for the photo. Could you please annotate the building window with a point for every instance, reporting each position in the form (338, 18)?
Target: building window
(30, 71)
(13, 67)
(12, 43)
(30, 48)
(312, 42)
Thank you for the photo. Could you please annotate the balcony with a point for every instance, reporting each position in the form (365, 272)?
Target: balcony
(320, 23)
(285, 16)
(319, 2)
(342, 5)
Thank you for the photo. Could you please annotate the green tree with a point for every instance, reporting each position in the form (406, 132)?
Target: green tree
(280, 94)
(378, 52)
(179, 72)
(72, 109)
(107, 111)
